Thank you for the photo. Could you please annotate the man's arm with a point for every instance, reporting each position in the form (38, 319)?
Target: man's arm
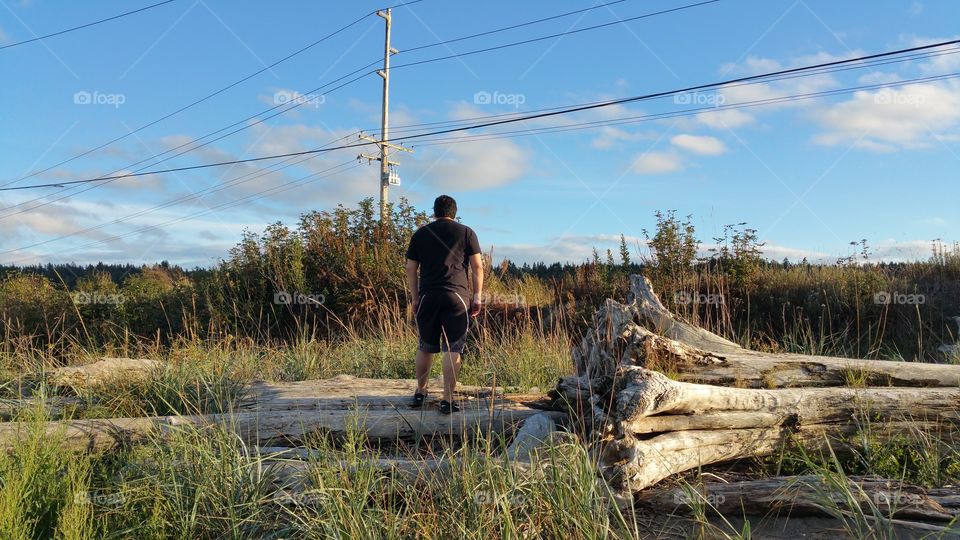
(476, 274)
(413, 283)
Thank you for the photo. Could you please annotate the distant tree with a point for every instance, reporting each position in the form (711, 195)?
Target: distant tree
(624, 251)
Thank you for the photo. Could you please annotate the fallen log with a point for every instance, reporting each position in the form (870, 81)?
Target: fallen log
(642, 394)
(339, 392)
(288, 427)
(104, 371)
(346, 391)
(632, 463)
(55, 406)
(804, 495)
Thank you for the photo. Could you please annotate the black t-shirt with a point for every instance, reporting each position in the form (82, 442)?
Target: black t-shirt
(443, 248)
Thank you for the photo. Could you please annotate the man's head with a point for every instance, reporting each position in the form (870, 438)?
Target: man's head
(445, 207)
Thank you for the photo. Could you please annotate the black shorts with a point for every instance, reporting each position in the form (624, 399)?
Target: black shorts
(442, 321)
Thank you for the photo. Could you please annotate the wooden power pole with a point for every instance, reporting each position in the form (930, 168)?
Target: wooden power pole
(388, 175)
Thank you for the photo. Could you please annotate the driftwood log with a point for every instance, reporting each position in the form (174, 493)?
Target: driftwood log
(288, 414)
(806, 495)
(659, 396)
(103, 371)
(644, 333)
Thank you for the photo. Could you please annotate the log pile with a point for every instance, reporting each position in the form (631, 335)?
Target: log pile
(658, 397)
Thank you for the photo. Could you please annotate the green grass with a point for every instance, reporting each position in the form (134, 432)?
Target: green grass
(207, 485)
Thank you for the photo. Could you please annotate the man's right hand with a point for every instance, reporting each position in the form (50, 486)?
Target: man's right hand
(475, 305)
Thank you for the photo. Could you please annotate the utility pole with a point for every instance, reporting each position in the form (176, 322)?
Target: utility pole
(388, 175)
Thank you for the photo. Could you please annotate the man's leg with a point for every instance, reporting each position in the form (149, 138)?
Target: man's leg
(451, 370)
(424, 361)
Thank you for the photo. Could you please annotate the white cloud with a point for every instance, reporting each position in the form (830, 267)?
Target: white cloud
(611, 137)
(700, 144)
(4, 37)
(481, 164)
(573, 249)
(656, 163)
(725, 118)
(891, 118)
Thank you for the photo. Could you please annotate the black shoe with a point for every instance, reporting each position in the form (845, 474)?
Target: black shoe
(418, 399)
(447, 407)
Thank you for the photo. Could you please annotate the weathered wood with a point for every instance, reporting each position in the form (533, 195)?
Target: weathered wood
(804, 495)
(291, 427)
(620, 337)
(537, 432)
(655, 316)
(632, 463)
(104, 371)
(661, 427)
(54, 406)
(662, 397)
(347, 392)
(642, 394)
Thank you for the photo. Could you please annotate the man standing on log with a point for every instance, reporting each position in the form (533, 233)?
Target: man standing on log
(437, 261)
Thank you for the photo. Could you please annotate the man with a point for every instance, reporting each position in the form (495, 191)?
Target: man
(437, 262)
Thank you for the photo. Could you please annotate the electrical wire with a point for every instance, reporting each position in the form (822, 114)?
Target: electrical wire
(82, 26)
(243, 179)
(278, 189)
(313, 91)
(567, 110)
(208, 96)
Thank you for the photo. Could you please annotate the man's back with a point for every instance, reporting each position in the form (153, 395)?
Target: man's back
(443, 248)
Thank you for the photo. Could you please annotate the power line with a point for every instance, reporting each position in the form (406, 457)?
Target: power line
(82, 26)
(243, 179)
(543, 130)
(198, 146)
(511, 27)
(672, 114)
(310, 92)
(551, 36)
(822, 71)
(686, 90)
(567, 110)
(204, 98)
(277, 189)
(460, 140)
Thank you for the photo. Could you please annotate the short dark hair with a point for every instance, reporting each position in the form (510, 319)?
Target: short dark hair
(445, 207)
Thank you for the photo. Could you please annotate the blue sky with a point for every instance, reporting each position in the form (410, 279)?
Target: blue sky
(810, 176)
